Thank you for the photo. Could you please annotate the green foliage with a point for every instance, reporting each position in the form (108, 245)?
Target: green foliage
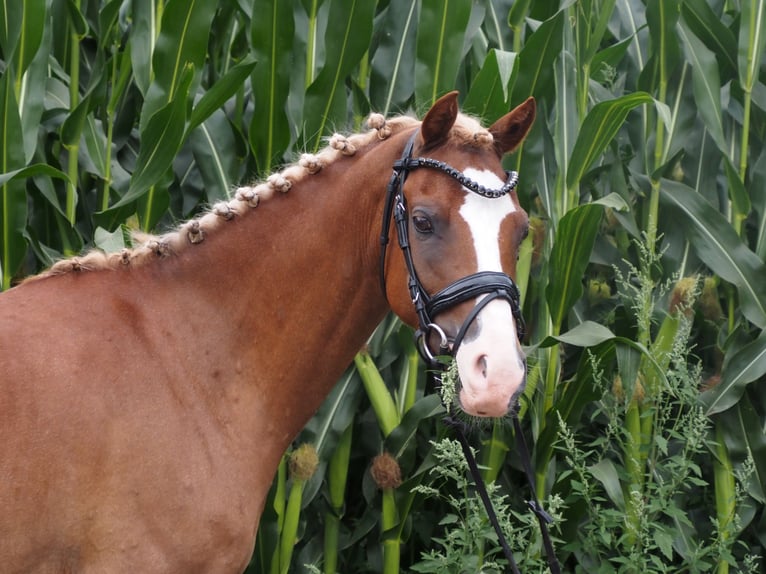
(641, 494)
(647, 164)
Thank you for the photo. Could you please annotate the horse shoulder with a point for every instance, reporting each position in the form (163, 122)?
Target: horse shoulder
(143, 470)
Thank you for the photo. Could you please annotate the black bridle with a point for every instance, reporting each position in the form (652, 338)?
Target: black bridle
(492, 284)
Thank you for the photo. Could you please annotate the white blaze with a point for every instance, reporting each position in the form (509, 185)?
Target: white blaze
(491, 366)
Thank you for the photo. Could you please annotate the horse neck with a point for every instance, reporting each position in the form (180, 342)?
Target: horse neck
(295, 281)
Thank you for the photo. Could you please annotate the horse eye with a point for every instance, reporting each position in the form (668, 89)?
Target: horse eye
(422, 224)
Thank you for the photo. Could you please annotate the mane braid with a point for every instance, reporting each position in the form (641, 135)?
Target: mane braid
(466, 131)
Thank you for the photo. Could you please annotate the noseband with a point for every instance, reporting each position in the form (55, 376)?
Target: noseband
(493, 284)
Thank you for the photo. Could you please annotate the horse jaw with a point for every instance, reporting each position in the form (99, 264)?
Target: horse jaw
(491, 365)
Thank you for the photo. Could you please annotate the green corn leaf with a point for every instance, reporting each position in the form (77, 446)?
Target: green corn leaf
(741, 368)
(590, 20)
(154, 203)
(629, 363)
(142, 40)
(518, 13)
(337, 471)
(573, 397)
(21, 34)
(35, 171)
(575, 236)
(272, 37)
(32, 28)
(738, 195)
(13, 215)
(598, 130)
(699, 18)
(219, 170)
(161, 140)
(403, 435)
(606, 473)
(349, 29)
(392, 77)
(379, 395)
(25, 46)
(706, 83)
(489, 96)
(439, 53)
(609, 58)
(108, 24)
(758, 198)
(95, 143)
(221, 91)
(566, 122)
(752, 41)
(73, 126)
(109, 242)
(182, 42)
(719, 246)
(12, 16)
(77, 19)
(335, 414)
(496, 26)
(661, 17)
(13, 198)
(494, 450)
(536, 59)
(33, 92)
(742, 429)
(586, 334)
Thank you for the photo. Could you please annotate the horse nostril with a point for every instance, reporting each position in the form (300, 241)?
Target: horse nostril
(482, 363)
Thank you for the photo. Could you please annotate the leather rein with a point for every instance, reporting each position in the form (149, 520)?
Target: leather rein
(492, 284)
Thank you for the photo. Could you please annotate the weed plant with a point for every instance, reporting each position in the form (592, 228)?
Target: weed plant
(467, 542)
(641, 496)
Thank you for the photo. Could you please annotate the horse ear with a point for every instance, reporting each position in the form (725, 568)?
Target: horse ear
(510, 130)
(439, 120)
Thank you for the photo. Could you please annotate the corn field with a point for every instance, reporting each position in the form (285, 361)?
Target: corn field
(643, 278)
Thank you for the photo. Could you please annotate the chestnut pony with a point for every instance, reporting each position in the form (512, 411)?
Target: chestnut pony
(147, 396)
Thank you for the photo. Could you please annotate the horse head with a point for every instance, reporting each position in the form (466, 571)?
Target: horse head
(459, 226)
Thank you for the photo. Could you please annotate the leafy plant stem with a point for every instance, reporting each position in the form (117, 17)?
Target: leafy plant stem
(634, 468)
(74, 99)
(748, 98)
(391, 543)
(725, 489)
(108, 162)
(494, 453)
(337, 475)
(552, 374)
(659, 151)
(362, 75)
(290, 528)
(582, 92)
(311, 44)
(108, 146)
(654, 197)
(409, 393)
(379, 395)
(280, 498)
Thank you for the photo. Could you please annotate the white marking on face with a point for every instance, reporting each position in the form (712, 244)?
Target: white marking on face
(484, 216)
(491, 366)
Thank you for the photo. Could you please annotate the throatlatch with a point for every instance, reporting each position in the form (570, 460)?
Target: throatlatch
(492, 284)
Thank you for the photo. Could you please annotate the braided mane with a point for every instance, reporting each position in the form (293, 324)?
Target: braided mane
(466, 131)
